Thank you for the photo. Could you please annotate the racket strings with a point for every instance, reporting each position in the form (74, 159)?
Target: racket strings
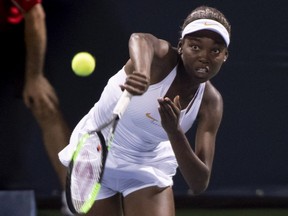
(87, 171)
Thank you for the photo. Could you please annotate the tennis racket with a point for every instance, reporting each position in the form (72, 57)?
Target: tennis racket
(86, 167)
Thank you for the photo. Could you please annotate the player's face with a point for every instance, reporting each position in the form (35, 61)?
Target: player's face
(203, 54)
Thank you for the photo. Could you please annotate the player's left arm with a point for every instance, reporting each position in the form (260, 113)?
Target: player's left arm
(38, 93)
(195, 165)
(209, 120)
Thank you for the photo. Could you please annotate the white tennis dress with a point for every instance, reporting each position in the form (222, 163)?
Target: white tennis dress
(140, 155)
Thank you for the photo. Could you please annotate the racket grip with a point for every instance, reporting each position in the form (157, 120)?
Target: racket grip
(122, 104)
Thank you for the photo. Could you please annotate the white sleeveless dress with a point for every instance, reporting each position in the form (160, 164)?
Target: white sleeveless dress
(141, 154)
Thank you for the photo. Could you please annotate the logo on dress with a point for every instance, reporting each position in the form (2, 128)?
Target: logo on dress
(153, 120)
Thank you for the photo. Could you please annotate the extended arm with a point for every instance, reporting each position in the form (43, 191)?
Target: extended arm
(148, 54)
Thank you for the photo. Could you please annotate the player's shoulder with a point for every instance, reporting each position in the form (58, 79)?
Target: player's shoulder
(211, 105)
(212, 94)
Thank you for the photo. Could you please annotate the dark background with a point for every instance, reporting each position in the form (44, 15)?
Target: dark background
(251, 149)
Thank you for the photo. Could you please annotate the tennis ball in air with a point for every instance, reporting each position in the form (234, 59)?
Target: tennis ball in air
(83, 64)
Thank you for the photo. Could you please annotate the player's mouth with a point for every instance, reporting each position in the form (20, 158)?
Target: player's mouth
(202, 69)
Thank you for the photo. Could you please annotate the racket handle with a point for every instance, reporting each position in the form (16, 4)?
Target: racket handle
(122, 104)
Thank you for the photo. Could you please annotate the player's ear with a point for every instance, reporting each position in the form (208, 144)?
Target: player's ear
(179, 47)
(226, 56)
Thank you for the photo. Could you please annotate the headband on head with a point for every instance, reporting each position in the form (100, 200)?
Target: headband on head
(207, 24)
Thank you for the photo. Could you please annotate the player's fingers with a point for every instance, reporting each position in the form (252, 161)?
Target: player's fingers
(166, 108)
(139, 75)
(138, 80)
(132, 90)
(176, 101)
(135, 84)
(170, 106)
(169, 119)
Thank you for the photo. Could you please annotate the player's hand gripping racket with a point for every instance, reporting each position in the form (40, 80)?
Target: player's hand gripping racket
(86, 168)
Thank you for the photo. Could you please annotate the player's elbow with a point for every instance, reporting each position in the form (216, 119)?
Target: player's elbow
(135, 38)
(142, 39)
(138, 36)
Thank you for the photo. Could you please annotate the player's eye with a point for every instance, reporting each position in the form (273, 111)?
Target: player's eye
(216, 51)
(194, 47)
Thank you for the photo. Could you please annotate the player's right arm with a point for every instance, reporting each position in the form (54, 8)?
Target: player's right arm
(149, 62)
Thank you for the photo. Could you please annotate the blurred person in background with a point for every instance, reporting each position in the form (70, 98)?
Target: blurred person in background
(23, 47)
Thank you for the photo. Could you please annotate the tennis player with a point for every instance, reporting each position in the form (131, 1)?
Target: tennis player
(172, 90)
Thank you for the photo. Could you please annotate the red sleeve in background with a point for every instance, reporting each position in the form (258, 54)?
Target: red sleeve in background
(14, 14)
(25, 5)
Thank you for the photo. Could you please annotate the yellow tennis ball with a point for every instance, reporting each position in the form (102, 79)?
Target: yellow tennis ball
(83, 64)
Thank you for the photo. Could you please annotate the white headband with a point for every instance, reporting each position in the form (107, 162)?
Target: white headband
(208, 24)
